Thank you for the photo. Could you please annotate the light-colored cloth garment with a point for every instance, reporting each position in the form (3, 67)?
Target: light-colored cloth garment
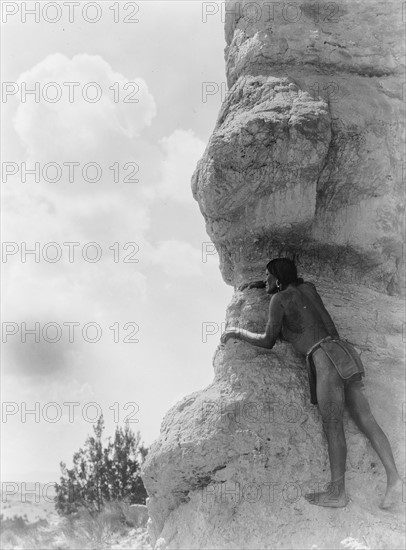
(343, 356)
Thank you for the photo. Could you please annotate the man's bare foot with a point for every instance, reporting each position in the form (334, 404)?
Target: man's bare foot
(334, 497)
(393, 494)
(325, 499)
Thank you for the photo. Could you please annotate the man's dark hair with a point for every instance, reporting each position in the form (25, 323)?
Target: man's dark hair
(285, 271)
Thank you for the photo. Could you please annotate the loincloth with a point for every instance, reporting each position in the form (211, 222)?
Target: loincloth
(343, 356)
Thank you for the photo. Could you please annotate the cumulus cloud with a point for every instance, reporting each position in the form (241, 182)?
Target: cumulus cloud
(75, 125)
(108, 291)
(182, 150)
(41, 212)
(176, 258)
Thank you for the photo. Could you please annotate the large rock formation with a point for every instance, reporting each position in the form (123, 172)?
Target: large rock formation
(307, 147)
(305, 161)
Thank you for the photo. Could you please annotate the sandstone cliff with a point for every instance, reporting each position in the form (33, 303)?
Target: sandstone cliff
(306, 161)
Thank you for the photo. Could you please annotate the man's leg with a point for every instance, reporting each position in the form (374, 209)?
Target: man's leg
(330, 396)
(360, 411)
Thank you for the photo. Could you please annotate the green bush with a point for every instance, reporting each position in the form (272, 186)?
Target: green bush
(103, 474)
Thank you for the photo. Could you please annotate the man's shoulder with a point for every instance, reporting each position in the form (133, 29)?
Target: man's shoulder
(276, 299)
(283, 296)
(280, 297)
(304, 285)
(308, 285)
(297, 292)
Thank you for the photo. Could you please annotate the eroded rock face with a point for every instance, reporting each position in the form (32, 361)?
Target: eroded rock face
(305, 160)
(306, 156)
(233, 461)
(262, 163)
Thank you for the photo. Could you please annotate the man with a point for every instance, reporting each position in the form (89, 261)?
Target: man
(297, 313)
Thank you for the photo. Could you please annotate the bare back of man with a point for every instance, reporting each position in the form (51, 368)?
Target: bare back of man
(298, 313)
(305, 319)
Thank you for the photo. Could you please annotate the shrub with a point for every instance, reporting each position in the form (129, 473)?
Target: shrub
(103, 474)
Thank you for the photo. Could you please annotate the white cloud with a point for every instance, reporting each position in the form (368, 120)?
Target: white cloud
(177, 258)
(81, 129)
(76, 212)
(182, 150)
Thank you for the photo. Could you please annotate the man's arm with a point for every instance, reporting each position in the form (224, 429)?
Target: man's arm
(266, 339)
(255, 284)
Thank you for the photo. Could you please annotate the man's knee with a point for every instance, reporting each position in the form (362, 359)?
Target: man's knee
(331, 414)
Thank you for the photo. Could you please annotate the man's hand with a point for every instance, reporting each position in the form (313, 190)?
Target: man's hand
(255, 284)
(231, 332)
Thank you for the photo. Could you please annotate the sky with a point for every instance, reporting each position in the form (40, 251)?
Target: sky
(110, 304)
